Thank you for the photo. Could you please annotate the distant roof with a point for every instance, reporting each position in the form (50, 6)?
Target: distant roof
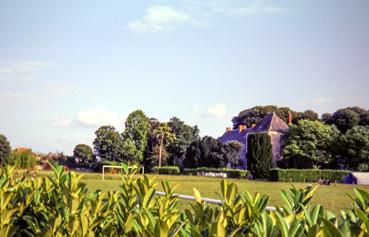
(270, 123)
(235, 135)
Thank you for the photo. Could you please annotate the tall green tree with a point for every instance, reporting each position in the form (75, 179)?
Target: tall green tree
(346, 119)
(5, 149)
(108, 144)
(259, 155)
(356, 148)
(83, 154)
(232, 151)
(185, 135)
(207, 152)
(137, 129)
(310, 144)
(165, 136)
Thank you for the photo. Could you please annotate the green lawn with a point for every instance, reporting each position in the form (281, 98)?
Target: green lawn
(334, 197)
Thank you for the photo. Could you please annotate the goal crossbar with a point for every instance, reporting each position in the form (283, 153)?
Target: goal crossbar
(120, 167)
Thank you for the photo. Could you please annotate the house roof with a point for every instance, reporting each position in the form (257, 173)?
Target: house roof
(270, 123)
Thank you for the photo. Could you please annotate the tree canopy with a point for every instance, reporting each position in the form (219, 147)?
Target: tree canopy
(5, 148)
(108, 144)
(165, 135)
(209, 152)
(356, 148)
(310, 144)
(185, 135)
(82, 153)
(137, 129)
(255, 114)
(347, 118)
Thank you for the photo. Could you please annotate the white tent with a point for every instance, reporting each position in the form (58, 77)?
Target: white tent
(356, 178)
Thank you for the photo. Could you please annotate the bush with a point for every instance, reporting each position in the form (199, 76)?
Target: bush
(231, 173)
(172, 170)
(22, 158)
(259, 155)
(307, 175)
(62, 205)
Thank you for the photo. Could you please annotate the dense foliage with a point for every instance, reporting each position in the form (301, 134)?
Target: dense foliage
(185, 135)
(108, 144)
(165, 136)
(355, 148)
(5, 149)
(22, 158)
(347, 118)
(259, 155)
(136, 134)
(61, 205)
(83, 154)
(255, 114)
(307, 175)
(210, 152)
(172, 170)
(310, 144)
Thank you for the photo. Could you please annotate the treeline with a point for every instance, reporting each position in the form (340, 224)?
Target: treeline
(335, 141)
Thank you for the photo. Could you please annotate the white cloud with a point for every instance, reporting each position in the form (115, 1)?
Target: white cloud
(22, 68)
(98, 116)
(93, 117)
(197, 13)
(160, 18)
(218, 110)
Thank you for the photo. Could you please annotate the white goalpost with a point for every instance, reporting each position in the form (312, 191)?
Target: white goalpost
(121, 167)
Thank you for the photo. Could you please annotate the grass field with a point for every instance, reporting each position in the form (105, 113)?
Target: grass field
(334, 197)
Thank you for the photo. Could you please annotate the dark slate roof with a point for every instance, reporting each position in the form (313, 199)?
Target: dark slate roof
(270, 123)
(235, 135)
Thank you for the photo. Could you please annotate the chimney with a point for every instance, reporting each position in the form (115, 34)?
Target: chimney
(289, 118)
(241, 127)
(228, 129)
(253, 125)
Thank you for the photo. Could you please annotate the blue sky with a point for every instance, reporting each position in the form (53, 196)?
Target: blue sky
(67, 67)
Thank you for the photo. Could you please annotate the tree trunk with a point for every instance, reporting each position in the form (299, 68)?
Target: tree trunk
(160, 148)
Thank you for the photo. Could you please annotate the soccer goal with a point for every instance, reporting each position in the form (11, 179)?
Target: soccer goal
(142, 169)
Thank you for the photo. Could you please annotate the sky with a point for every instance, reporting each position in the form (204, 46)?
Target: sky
(68, 67)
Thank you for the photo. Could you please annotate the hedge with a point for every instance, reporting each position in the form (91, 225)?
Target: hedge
(307, 175)
(231, 173)
(172, 170)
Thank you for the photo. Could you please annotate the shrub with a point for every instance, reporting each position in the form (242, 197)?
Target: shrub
(231, 173)
(259, 155)
(307, 175)
(61, 205)
(172, 170)
(22, 158)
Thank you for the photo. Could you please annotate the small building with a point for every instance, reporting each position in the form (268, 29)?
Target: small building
(271, 124)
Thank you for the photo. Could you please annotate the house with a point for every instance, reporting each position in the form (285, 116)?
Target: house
(270, 124)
